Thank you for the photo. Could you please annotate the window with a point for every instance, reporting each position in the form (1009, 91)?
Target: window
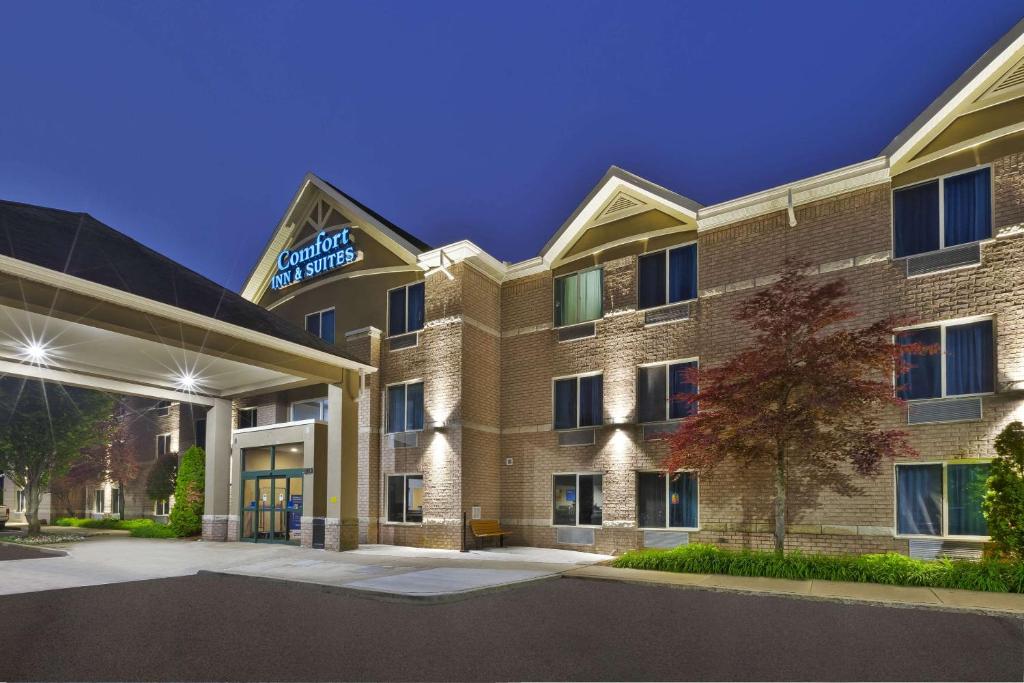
(963, 368)
(162, 409)
(942, 213)
(405, 498)
(162, 507)
(321, 324)
(667, 277)
(406, 311)
(578, 297)
(201, 433)
(666, 501)
(405, 407)
(99, 501)
(310, 409)
(163, 444)
(659, 389)
(579, 402)
(246, 418)
(20, 502)
(578, 500)
(115, 501)
(941, 499)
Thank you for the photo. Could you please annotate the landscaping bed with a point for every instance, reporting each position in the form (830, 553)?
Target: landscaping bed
(139, 528)
(990, 575)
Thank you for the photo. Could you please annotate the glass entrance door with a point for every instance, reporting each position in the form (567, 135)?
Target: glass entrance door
(271, 500)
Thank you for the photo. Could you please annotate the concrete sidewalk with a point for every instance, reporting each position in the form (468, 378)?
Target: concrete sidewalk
(1012, 603)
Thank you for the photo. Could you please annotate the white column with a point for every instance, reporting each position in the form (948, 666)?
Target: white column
(342, 519)
(218, 471)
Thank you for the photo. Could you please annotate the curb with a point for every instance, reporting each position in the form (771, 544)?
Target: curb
(56, 552)
(383, 596)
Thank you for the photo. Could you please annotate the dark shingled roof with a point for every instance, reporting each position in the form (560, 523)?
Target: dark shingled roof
(80, 245)
(409, 237)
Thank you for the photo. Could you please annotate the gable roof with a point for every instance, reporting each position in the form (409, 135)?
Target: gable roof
(399, 241)
(79, 245)
(963, 91)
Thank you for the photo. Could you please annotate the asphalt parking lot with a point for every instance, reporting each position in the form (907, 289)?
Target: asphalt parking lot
(213, 627)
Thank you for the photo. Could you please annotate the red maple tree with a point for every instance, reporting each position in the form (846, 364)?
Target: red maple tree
(115, 456)
(806, 397)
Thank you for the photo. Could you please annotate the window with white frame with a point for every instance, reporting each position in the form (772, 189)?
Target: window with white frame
(578, 401)
(964, 367)
(115, 501)
(406, 309)
(944, 212)
(662, 390)
(99, 501)
(405, 407)
(578, 500)
(162, 409)
(666, 501)
(163, 444)
(246, 418)
(578, 297)
(20, 500)
(321, 324)
(162, 507)
(309, 409)
(941, 499)
(667, 276)
(405, 498)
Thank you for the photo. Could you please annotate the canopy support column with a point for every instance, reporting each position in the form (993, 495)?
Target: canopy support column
(218, 471)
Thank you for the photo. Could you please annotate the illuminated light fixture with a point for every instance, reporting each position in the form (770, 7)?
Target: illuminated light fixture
(36, 352)
(187, 381)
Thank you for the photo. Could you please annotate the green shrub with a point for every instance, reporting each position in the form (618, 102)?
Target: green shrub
(887, 568)
(140, 528)
(1003, 504)
(187, 514)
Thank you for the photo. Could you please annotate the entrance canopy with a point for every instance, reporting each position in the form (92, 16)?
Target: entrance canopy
(83, 304)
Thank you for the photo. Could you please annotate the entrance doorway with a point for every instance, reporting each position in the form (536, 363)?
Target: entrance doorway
(272, 500)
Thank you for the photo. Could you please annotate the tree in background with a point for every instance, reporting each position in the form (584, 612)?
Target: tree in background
(162, 477)
(43, 429)
(803, 399)
(187, 516)
(1003, 504)
(68, 491)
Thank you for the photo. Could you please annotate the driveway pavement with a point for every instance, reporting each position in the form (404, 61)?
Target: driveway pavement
(409, 572)
(216, 627)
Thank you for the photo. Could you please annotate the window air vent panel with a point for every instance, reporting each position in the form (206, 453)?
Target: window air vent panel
(1013, 78)
(404, 341)
(621, 202)
(668, 313)
(574, 536)
(576, 437)
(659, 430)
(944, 410)
(944, 259)
(577, 332)
(405, 440)
(934, 548)
(665, 539)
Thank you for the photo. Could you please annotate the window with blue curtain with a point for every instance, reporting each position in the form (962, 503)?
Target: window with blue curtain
(924, 378)
(919, 225)
(660, 390)
(667, 277)
(919, 500)
(406, 309)
(666, 501)
(405, 408)
(579, 402)
(396, 409)
(968, 207)
(578, 297)
(968, 354)
(321, 324)
(965, 489)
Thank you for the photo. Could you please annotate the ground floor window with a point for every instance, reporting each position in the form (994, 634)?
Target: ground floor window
(666, 501)
(405, 498)
(19, 501)
(162, 507)
(99, 501)
(941, 499)
(115, 501)
(578, 500)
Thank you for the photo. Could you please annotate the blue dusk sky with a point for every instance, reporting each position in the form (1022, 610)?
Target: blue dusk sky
(189, 125)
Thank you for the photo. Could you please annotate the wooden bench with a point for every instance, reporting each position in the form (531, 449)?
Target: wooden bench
(488, 528)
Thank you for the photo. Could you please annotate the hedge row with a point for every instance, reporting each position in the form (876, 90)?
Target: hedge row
(140, 528)
(889, 568)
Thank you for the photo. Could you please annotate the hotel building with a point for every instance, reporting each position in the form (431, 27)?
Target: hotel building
(537, 393)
